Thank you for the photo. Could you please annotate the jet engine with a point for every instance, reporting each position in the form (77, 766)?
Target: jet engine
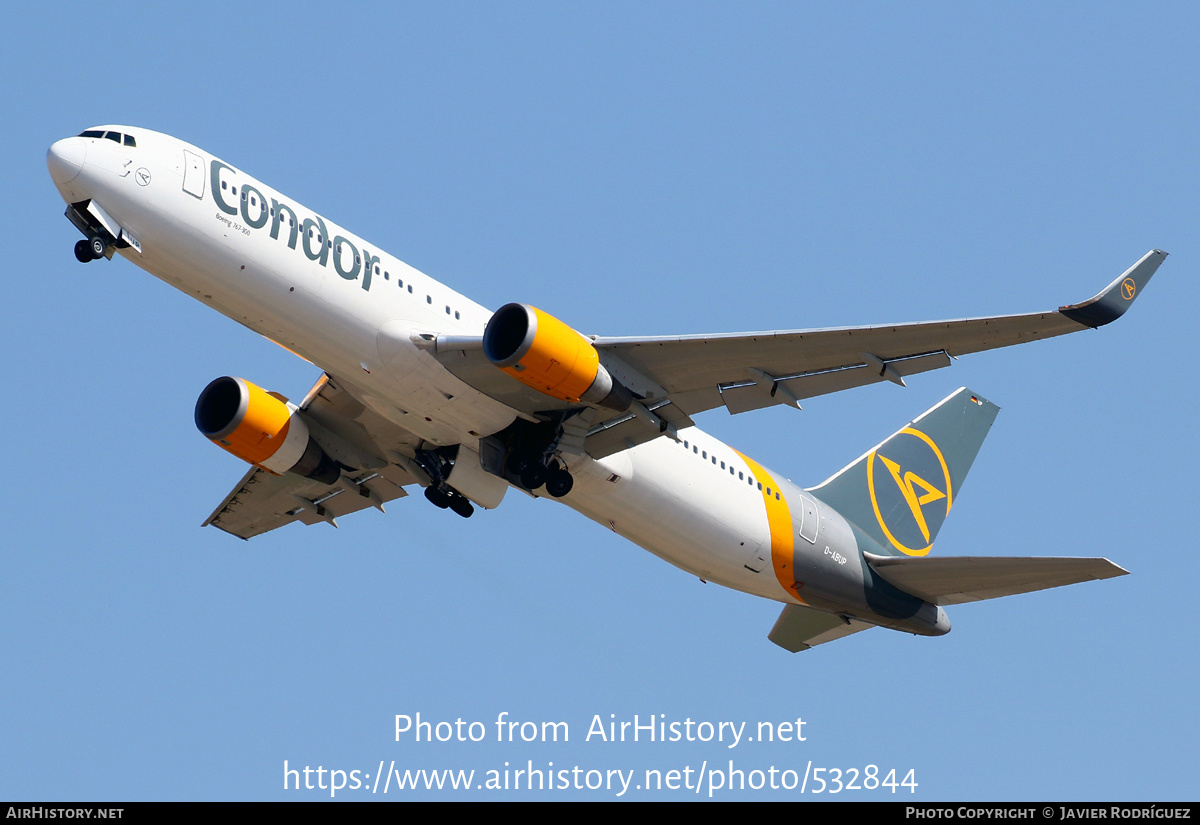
(542, 352)
(261, 429)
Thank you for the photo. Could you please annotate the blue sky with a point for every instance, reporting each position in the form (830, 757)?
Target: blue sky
(634, 169)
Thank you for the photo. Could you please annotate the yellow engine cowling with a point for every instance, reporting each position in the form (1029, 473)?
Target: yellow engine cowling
(262, 430)
(542, 352)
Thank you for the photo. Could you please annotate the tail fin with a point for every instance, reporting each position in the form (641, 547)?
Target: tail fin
(900, 492)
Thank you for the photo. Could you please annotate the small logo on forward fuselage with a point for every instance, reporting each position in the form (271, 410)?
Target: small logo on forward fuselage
(910, 489)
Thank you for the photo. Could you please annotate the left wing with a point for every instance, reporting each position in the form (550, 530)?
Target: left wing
(263, 500)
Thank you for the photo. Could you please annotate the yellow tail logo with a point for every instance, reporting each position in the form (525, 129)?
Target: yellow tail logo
(916, 490)
(915, 502)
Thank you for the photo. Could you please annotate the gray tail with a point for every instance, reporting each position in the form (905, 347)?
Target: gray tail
(900, 492)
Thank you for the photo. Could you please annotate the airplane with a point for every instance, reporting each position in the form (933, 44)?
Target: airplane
(421, 386)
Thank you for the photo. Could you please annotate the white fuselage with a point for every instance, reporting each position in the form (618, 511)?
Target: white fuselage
(342, 303)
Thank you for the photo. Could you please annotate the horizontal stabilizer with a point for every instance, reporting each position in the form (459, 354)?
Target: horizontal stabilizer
(946, 581)
(799, 628)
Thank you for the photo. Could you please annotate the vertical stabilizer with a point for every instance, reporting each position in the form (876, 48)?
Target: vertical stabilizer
(900, 492)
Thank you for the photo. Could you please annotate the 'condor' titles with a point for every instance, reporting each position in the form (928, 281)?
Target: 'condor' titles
(312, 234)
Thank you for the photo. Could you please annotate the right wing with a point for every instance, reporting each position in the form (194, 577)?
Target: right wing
(676, 377)
(748, 371)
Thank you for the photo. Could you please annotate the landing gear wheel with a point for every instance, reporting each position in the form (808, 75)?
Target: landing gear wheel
(97, 245)
(437, 498)
(533, 476)
(559, 483)
(461, 506)
(516, 463)
(83, 252)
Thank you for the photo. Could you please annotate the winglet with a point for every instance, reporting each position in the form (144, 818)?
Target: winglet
(1112, 302)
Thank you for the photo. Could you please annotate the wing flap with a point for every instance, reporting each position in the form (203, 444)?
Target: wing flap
(788, 389)
(627, 430)
(955, 580)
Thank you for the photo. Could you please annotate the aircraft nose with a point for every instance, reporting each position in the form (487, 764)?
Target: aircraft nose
(65, 159)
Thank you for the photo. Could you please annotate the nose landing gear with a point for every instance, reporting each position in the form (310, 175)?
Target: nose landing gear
(90, 249)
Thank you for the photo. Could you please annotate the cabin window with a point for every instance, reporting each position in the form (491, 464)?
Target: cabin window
(429, 299)
(456, 315)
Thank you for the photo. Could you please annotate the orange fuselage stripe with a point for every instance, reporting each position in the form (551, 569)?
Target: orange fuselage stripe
(779, 522)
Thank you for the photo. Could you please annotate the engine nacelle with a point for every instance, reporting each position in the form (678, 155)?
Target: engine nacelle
(262, 430)
(542, 352)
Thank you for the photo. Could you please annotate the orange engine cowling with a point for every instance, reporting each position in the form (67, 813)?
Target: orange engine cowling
(262, 430)
(542, 352)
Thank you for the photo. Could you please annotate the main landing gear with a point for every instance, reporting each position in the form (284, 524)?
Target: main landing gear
(447, 497)
(440, 494)
(90, 249)
(533, 474)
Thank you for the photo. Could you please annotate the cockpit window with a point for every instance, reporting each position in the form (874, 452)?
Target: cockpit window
(115, 137)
